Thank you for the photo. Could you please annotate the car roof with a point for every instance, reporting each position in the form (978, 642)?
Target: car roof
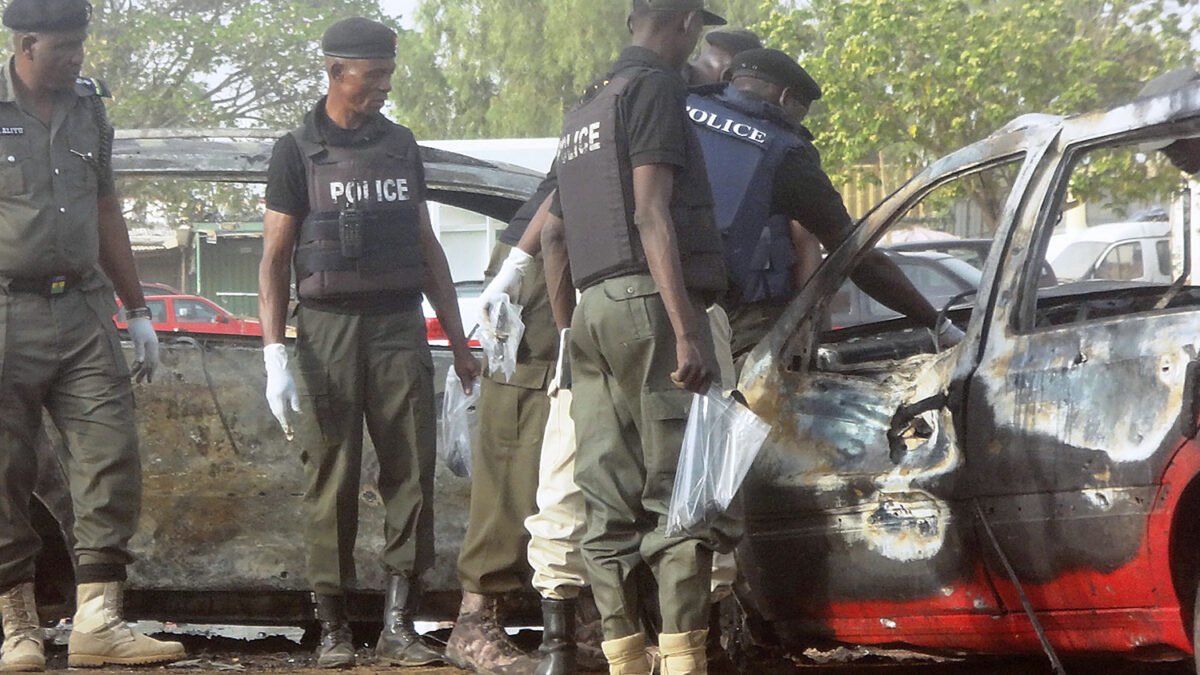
(1114, 232)
(495, 189)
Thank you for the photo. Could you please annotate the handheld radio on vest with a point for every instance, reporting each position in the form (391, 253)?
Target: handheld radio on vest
(350, 229)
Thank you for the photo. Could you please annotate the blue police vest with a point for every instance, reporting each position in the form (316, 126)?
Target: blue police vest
(743, 147)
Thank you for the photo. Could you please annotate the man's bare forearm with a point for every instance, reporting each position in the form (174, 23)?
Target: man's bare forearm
(116, 255)
(440, 286)
(879, 277)
(275, 274)
(807, 249)
(652, 188)
(531, 241)
(559, 284)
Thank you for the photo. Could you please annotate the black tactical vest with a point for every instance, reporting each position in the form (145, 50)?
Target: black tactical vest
(361, 233)
(596, 192)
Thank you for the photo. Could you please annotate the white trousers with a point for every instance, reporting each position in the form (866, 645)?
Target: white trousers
(556, 530)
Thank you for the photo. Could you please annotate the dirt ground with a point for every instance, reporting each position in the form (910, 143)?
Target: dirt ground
(280, 655)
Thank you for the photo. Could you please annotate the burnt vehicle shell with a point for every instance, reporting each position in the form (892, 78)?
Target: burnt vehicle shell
(1073, 442)
(220, 536)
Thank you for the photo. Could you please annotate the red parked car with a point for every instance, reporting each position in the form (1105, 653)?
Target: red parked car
(192, 314)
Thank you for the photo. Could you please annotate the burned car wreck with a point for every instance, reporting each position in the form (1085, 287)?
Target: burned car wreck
(1038, 479)
(219, 540)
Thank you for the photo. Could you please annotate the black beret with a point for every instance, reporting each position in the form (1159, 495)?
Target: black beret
(49, 16)
(777, 67)
(734, 41)
(710, 18)
(359, 38)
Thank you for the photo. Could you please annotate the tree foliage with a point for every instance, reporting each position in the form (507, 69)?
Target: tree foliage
(497, 68)
(919, 78)
(213, 63)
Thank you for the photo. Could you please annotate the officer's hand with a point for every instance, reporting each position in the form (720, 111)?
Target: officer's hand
(691, 373)
(145, 349)
(948, 334)
(562, 369)
(467, 367)
(507, 281)
(281, 388)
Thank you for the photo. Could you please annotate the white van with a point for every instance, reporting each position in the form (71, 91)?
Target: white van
(1132, 251)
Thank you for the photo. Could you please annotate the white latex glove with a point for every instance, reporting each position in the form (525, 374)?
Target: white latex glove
(948, 334)
(557, 383)
(281, 388)
(145, 349)
(507, 280)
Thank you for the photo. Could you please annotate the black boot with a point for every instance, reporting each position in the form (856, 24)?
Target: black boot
(336, 649)
(557, 653)
(399, 644)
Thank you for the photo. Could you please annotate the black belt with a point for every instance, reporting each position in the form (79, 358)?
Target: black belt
(47, 286)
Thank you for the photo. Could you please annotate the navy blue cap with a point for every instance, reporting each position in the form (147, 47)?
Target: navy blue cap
(47, 16)
(734, 40)
(359, 38)
(778, 68)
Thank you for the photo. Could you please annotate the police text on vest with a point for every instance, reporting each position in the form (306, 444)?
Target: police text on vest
(380, 190)
(579, 142)
(726, 126)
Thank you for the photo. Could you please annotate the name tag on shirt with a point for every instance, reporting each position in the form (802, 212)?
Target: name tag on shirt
(12, 131)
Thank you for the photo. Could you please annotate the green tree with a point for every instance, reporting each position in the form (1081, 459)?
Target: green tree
(496, 68)
(214, 63)
(210, 64)
(917, 79)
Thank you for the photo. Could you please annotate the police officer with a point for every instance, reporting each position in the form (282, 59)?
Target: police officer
(346, 210)
(716, 54)
(642, 247)
(767, 183)
(61, 233)
(512, 416)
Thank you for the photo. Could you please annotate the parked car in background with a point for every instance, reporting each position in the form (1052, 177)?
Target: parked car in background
(468, 308)
(974, 252)
(1132, 251)
(150, 288)
(192, 315)
(940, 277)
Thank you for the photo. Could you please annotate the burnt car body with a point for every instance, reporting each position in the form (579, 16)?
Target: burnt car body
(220, 533)
(900, 480)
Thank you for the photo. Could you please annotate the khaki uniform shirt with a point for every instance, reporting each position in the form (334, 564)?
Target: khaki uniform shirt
(50, 182)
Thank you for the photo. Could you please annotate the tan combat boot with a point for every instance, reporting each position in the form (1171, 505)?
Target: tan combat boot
(480, 644)
(22, 650)
(100, 635)
(683, 653)
(627, 655)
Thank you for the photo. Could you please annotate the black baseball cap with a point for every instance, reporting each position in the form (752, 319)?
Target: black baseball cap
(710, 19)
(778, 68)
(359, 38)
(734, 40)
(49, 16)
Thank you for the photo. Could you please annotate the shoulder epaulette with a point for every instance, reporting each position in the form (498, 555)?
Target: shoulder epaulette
(90, 86)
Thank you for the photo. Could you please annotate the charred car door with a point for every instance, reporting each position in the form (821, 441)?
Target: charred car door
(1084, 392)
(859, 491)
